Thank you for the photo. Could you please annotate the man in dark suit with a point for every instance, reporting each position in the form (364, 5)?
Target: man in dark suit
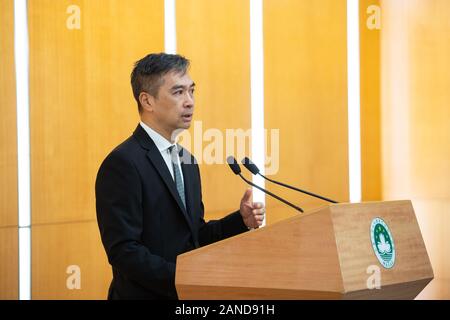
(148, 189)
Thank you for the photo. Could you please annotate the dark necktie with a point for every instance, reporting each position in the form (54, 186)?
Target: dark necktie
(177, 174)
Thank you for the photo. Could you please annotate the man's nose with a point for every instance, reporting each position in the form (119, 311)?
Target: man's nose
(189, 102)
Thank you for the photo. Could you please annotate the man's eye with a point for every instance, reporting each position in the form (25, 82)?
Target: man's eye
(192, 91)
(178, 92)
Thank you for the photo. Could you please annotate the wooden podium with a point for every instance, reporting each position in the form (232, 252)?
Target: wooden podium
(327, 253)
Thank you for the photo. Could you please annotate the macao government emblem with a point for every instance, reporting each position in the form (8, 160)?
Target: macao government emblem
(382, 243)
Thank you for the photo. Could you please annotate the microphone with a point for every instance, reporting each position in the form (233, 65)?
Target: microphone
(254, 169)
(237, 171)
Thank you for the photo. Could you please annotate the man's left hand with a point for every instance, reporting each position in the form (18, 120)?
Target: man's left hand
(252, 212)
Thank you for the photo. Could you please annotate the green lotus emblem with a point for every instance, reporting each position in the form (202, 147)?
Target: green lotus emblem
(382, 243)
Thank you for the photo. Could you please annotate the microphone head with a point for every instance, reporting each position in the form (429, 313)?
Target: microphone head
(234, 165)
(250, 165)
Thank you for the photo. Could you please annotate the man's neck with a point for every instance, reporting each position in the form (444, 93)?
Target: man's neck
(160, 131)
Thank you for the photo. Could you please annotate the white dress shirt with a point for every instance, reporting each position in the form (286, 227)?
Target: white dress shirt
(163, 146)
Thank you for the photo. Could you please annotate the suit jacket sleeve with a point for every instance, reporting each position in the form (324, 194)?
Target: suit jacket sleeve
(120, 219)
(216, 230)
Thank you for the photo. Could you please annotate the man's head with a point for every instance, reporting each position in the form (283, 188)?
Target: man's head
(164, 92)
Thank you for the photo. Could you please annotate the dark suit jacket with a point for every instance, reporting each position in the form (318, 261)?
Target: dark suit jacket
(143, 223)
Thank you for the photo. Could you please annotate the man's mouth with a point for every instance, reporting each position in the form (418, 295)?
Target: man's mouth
(187, 117)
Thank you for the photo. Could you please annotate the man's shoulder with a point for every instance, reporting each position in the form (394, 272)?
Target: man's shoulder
(125, 151)
(128, 145)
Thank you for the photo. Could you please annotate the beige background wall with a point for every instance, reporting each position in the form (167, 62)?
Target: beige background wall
(8, 157)
(415, 69)
(370, 100)
(405, 119)
(305, 61)
(215, 36)
(81, 107)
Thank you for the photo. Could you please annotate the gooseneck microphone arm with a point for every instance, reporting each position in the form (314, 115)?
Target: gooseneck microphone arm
(271, 194)
(237, 171)
(250, 166)
(297, 189)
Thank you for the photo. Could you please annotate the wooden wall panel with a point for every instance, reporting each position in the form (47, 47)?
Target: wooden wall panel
(415, 43)
(370, 100)
(305, 66)
(58, 246)
(8, 129)
(9, 263)
(81, 107)
(215, 36)
(81, 99)
(8, 157)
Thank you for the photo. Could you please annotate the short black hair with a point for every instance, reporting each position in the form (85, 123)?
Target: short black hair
(148, 72)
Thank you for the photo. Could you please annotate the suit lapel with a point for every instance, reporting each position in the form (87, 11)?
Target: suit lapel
(188, 176)
(158, 162)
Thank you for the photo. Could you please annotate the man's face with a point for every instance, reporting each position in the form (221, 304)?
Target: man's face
(174, 105)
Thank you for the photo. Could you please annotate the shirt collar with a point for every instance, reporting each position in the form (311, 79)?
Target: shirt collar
(161, 143)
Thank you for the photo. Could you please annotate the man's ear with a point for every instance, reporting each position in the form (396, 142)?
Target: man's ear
(147, 101)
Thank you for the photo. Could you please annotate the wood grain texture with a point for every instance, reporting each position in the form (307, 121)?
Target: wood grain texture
(81, 107)
(305, 70)
(8, 130)
(9, 263)
(8, 157)
(282, 261)
(55, 247)
(81, 103)
(215, 36)
(400, 291)
(322, 254)
(237, 293)
(352, 228)
(370, 103)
